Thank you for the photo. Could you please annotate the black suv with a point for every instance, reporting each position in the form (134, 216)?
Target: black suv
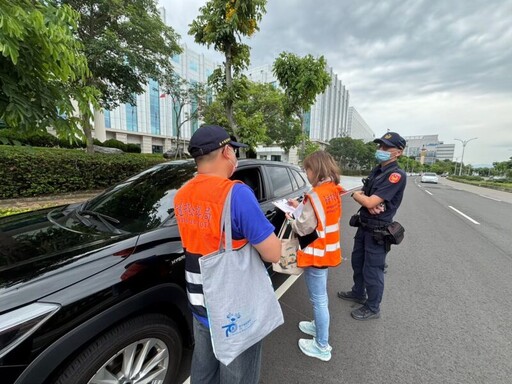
(95, 292)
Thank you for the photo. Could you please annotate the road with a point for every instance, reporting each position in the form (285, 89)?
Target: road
(447, 307)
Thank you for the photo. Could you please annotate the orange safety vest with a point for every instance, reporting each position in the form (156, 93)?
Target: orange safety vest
(198, 210)
(325, 250)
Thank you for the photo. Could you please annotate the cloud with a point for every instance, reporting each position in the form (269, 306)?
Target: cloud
(418, 67)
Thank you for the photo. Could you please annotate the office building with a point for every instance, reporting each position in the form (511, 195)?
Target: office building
(357, 128)
(433, 150)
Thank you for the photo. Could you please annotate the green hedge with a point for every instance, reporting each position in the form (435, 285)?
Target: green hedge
(29, 171)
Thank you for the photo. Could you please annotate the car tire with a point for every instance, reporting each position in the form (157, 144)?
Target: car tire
(142, 338)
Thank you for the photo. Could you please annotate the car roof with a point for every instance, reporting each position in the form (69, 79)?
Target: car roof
(243, 162)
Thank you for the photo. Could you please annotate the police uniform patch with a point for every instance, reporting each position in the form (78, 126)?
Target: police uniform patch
(394, 178)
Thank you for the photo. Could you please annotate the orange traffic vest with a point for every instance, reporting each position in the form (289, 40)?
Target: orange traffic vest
(325, 250)
(198, 209)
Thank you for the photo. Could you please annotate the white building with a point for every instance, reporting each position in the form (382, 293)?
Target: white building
(151, 122)
(357, 128)
(433, 149)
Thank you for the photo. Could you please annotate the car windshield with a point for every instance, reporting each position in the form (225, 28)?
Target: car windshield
(430, 174)
(146, 200)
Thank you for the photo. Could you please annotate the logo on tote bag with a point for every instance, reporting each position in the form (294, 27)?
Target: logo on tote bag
(235, 326)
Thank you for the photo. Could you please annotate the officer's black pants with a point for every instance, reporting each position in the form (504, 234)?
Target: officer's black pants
(368, 259)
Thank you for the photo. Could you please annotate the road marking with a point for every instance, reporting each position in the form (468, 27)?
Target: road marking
(466, 216)
(430, 193)
(488, 197)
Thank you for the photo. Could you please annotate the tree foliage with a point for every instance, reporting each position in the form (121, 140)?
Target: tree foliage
(352, 153)
(126, 44)
(260, 113)
(302, 79)
(222, 24)
(42, 67)
(188, 101)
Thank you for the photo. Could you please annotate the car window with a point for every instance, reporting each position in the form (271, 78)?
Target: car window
(299, 179)
(146, 200)
(252, 178)
(280, 179)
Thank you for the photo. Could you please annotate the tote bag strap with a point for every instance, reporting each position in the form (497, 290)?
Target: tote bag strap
(225, 223)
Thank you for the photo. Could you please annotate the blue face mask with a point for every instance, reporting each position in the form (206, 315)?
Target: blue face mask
(382, 156)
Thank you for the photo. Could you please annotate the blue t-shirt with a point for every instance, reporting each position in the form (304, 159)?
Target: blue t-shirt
(247, 221)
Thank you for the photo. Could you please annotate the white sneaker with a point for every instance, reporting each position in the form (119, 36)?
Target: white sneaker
(312, 349)
(308, 327)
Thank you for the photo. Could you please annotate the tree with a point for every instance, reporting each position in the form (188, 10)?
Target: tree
(260, 113)
(42, 68)
(222, 23)
(188, 101)
(126, 44)
(302, 80)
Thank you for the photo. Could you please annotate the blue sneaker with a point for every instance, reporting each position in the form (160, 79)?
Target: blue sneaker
(308, 327)
(312, 349)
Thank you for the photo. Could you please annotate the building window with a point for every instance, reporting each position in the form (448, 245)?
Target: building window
(195, 121)
(275, 157)
(263, 157)
(158, 149)
(154, 107)
(193, 65)
(176, 58)
(131, 117)
(106, 113)
(307, 122)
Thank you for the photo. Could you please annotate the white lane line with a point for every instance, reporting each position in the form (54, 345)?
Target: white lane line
(286, 285)
(466, 216)
(430, 193)
(279, 292)
(488, 197)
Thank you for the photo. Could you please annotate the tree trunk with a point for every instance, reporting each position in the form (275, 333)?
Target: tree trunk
(229, 85)
(86, 126)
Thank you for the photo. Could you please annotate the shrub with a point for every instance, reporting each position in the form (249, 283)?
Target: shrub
(133, 148)
(29, 171)
(113, 143)
(35, 139)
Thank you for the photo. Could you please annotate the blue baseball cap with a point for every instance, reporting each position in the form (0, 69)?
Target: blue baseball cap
(208, 138)
(392, 139)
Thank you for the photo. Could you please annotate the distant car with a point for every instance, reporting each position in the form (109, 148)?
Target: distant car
(94, 292)
(429, 177)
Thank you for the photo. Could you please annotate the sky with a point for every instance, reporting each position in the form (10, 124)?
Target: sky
(414, 67)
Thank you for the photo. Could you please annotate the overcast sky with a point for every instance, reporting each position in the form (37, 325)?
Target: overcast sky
(415, 67)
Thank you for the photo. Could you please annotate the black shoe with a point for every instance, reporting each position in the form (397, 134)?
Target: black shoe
(364, 313)
(349, 295)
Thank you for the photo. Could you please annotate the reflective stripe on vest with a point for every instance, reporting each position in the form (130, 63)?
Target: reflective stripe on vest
(325, 251)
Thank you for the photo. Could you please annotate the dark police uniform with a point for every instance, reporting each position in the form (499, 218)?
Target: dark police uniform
(368, 255)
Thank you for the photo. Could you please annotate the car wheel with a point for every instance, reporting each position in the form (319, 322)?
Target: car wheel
(145, 349)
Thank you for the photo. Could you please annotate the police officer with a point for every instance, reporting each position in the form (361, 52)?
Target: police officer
(379, 198)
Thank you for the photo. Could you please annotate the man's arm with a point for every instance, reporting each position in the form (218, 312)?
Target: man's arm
(269, 249)
(369, 202)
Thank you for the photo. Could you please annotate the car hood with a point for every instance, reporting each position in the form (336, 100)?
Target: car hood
(37, 245)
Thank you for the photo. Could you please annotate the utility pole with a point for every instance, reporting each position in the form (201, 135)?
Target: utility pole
(464, 142)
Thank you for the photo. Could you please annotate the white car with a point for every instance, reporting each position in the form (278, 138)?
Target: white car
(429, 177)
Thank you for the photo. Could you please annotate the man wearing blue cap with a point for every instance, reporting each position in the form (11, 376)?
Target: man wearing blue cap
(198, 208)
(379, 198)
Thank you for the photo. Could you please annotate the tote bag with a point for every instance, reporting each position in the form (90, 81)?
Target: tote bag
(239, 298)
(287, 264)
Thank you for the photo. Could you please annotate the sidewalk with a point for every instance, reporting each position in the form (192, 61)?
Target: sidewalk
(48, 201)
(487, 192)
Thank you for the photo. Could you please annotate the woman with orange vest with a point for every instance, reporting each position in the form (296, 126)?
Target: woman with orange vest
(319, 235)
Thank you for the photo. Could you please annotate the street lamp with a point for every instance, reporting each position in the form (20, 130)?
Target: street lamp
(464, 142)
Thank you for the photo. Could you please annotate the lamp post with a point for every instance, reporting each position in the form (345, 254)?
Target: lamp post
(464, 142)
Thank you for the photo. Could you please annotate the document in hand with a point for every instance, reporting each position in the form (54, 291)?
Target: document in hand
(286, 208)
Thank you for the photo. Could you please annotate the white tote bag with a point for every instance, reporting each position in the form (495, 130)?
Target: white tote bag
(239, 297)
(287, 264)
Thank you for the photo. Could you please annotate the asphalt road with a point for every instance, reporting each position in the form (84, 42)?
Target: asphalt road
(447, 307)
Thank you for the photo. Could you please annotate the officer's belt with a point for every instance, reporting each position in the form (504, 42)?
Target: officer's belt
(373, 224)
